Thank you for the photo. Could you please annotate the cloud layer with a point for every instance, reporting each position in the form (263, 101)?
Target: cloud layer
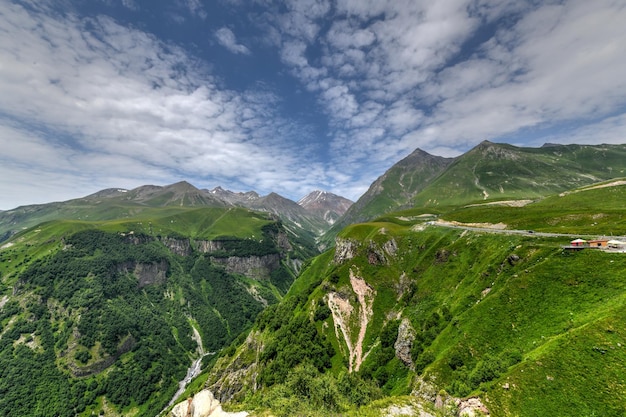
(87, 102)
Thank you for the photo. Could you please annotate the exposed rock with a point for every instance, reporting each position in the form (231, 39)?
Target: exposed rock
(376, 255)
(345, 249)
(203, 404)
(255, 267)
(237, 374)
(472, 407)
(154, 273)
(402, 285)
(425, 390)
(406, 336)
(208, 246)
(282, 241)
(348, 317)
(391, 247)
(512, 259)
(180, 247)
(405, 411)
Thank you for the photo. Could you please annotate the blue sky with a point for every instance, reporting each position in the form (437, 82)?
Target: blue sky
(291, 96)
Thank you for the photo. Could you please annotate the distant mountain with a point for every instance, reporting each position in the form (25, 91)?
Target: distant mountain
(314, 217)
(115, 203)
(456, 322)
(488, 172)
(326, 205)
(234, 198)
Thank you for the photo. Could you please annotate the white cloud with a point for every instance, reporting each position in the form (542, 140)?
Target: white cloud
(227, 39)
(390, 76)
(196, 8)
(402, 69)
(105, 106)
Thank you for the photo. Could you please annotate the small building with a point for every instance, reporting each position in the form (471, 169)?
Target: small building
(578, 242)
(598, 243)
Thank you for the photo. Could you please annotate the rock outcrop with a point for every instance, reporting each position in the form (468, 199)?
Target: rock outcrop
(348, 318)
(472, 407)
(203, 404)
(237, 374)
(406, 336)
(345, 249)
(146, 273)
(255, 267)
(180, 247)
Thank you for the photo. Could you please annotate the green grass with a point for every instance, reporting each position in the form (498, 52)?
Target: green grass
(550, 323)
(591, 211)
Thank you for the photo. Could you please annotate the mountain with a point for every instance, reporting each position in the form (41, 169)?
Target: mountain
(325, 205)
(487, 173)
(120, 203)
(492, 172)
(106, 316)
(406, 313)
(234, 198)
(394, 190)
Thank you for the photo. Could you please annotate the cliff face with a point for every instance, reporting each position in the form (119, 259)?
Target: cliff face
(146, 273)
(255, 267)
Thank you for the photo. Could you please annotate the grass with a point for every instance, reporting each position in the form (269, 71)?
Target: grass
(561, 312)
(593, 211)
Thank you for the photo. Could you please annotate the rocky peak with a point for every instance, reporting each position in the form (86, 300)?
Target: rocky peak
(327, 206)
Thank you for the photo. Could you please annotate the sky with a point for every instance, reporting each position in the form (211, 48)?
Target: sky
(292, 96)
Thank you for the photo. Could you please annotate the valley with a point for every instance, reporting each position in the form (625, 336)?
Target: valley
(444, 291)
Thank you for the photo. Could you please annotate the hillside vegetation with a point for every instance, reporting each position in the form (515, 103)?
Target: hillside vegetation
(402, 313)
(106, 317)
(490, 172)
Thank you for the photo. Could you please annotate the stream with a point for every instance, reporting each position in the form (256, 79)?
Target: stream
(192, 371)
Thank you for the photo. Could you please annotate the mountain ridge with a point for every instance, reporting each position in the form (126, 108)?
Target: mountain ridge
(488, 172)
(112, 202)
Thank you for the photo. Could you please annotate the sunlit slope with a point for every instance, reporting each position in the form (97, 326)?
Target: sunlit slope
(487, 173)
(513, 319)
(86, 307)
(492, 172)
(593, 210)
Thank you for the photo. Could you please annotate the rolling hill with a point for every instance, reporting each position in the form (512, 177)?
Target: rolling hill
(489, 172)
(404, 314)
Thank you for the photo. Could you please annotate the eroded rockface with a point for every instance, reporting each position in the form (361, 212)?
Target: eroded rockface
(146, 273)
(237, 374)
(255, 267)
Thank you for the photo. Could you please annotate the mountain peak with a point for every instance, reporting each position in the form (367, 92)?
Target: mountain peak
(327, 205)
(182, 186)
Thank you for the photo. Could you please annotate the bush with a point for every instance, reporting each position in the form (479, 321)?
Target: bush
(82, 356)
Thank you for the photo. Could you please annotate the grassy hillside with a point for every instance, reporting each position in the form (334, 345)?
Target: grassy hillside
(488, 173)
(102, 316)
(528, 328)
(591, 210)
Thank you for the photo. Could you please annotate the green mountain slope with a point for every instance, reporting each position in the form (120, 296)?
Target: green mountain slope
(489, 172)
(408, 314)
(393, 190)
(106, 316)
(492, 172)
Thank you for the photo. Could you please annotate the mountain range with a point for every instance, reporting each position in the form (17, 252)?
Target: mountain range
(311, 218)
(444, 290)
